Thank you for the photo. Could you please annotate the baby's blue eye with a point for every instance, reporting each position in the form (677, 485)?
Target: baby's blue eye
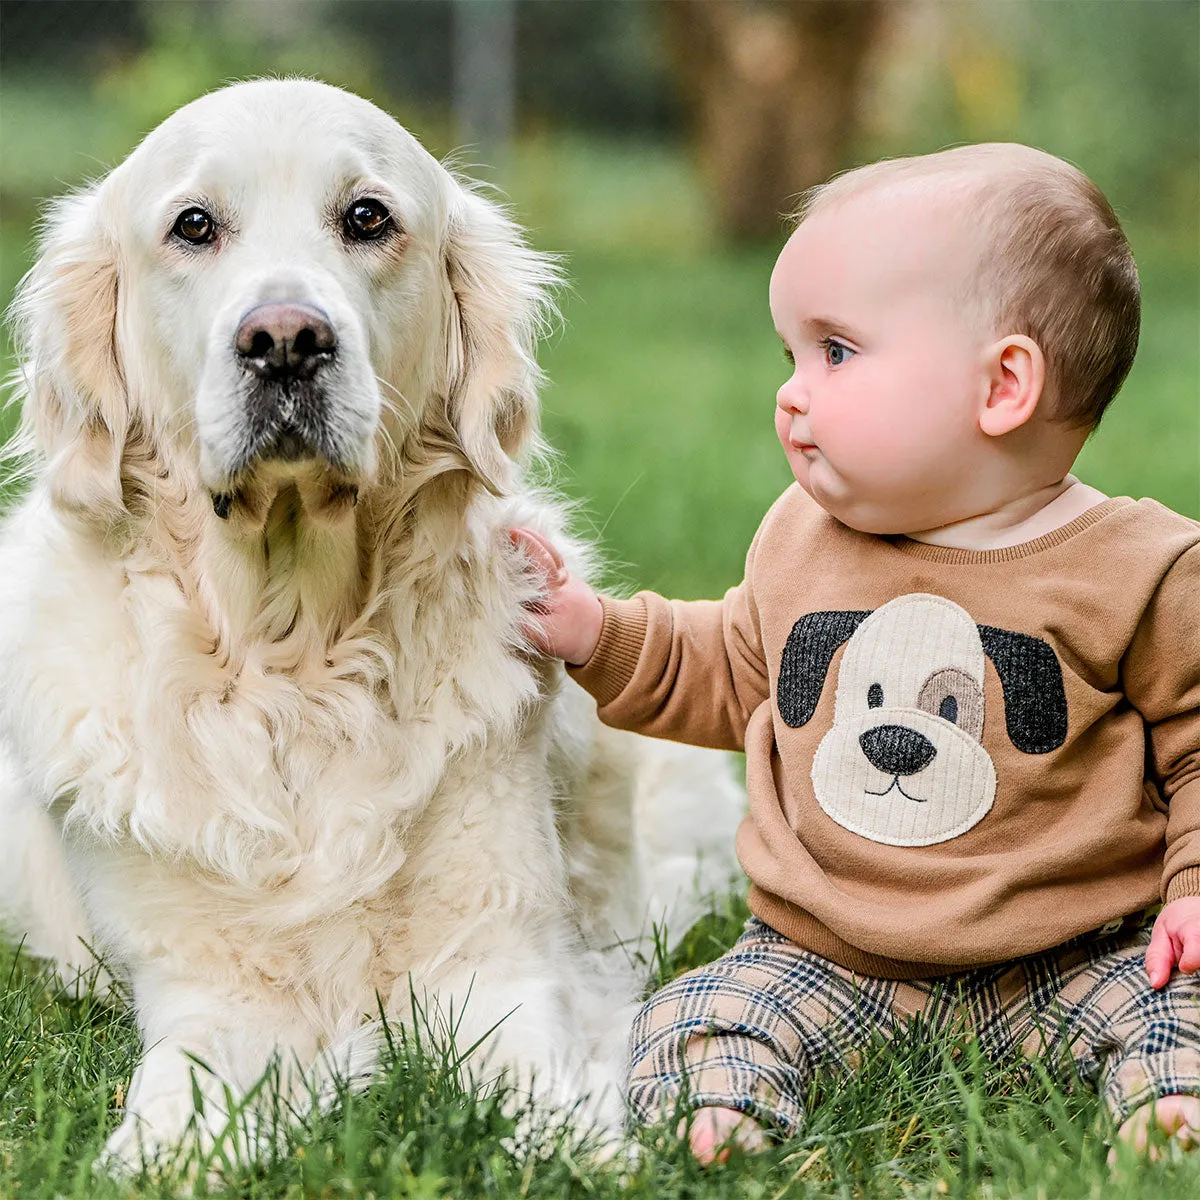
(837, 353)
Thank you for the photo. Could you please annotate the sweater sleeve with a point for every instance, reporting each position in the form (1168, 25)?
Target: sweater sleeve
(690, 671)
(1162, 680)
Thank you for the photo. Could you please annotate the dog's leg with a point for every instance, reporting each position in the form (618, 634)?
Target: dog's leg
(648, 827)
(524, 1024)
(687, 809)
(38, 903)
(208, 1052)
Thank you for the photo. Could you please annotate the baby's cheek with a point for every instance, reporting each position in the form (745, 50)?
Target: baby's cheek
(782, 426)
(864, 433)
(896, 432)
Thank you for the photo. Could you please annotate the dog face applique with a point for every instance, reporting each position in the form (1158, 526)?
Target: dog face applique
(904, 763)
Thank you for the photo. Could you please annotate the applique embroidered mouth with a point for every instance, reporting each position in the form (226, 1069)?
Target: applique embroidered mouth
(896, 784)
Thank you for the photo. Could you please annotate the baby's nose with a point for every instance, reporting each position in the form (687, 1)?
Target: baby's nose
(792, 397)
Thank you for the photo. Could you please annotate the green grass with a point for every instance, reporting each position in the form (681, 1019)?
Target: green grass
(662, 385)
(927, 1116)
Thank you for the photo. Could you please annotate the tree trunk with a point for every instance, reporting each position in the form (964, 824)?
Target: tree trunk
(771, 89)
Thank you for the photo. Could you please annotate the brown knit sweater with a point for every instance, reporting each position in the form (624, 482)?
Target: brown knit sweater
(953, 757)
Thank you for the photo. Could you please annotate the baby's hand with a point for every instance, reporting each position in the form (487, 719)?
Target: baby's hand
(1176, 939)
(569, 615)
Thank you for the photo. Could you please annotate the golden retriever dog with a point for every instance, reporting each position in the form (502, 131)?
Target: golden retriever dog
(273, 744)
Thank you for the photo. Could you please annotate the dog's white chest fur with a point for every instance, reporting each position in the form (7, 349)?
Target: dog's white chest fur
(293, 788)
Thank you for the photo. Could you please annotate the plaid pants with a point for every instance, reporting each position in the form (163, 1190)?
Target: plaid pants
(748, 1031)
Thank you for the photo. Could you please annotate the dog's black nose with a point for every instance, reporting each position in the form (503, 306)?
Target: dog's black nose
(285, 340)
(897, 750)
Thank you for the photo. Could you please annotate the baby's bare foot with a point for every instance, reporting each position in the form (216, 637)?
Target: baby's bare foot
(714, 1131)
(1177, 1116)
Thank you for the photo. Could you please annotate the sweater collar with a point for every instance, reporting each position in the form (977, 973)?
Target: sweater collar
(1056, 537)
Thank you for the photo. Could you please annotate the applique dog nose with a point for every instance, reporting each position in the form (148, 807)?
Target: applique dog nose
(897, 750)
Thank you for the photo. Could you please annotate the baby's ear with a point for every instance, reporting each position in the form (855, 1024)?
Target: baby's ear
(498, 302)
(1016, 370)
(806, 657)
(64, 316)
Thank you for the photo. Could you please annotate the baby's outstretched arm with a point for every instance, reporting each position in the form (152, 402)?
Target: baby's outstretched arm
(691, 671)
(567, 621)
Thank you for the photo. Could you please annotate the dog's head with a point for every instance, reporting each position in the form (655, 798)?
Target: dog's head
(905, 763)
(279, 281)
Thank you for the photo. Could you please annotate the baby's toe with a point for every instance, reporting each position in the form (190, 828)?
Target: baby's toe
(714, 1131)
(1177, 1116)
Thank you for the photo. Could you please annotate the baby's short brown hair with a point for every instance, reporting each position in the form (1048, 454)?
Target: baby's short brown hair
(1055, 264)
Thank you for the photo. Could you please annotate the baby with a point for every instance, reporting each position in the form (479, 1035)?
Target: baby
(967, 684)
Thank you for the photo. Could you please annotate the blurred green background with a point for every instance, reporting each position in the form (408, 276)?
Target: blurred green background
(663, 375)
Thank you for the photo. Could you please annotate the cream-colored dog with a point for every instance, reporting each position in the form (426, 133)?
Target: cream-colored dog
(272, 744)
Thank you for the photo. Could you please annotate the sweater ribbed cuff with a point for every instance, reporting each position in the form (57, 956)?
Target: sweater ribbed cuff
(1183, 883)
(615, 658)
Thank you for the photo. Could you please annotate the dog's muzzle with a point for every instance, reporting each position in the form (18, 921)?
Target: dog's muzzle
(286, 348)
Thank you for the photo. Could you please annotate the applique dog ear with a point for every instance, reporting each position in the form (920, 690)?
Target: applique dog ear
(806, 657)
(1035, 702)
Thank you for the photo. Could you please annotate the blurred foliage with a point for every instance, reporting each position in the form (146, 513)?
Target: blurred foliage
(195, 47)
(597, 62)
(40, 35)
(1111, 85)
(663, 375)
(48, 115)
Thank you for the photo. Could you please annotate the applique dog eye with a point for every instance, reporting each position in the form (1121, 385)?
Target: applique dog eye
(955, 697)
(904, 763)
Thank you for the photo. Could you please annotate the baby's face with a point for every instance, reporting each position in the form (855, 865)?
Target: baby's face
(879, 420)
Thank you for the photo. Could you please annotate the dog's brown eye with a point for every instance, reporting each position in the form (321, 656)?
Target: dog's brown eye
(195, 226)
(366, 220)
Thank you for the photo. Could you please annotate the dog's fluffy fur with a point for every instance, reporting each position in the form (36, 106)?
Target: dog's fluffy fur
(273, 745)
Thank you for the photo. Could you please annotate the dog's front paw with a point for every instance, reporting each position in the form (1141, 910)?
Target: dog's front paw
(123, 1153)
(156, 1143)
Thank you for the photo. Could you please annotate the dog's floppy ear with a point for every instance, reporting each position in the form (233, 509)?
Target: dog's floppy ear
(64, 319)
(498, 304)
(1035, 702)
(806, 657)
